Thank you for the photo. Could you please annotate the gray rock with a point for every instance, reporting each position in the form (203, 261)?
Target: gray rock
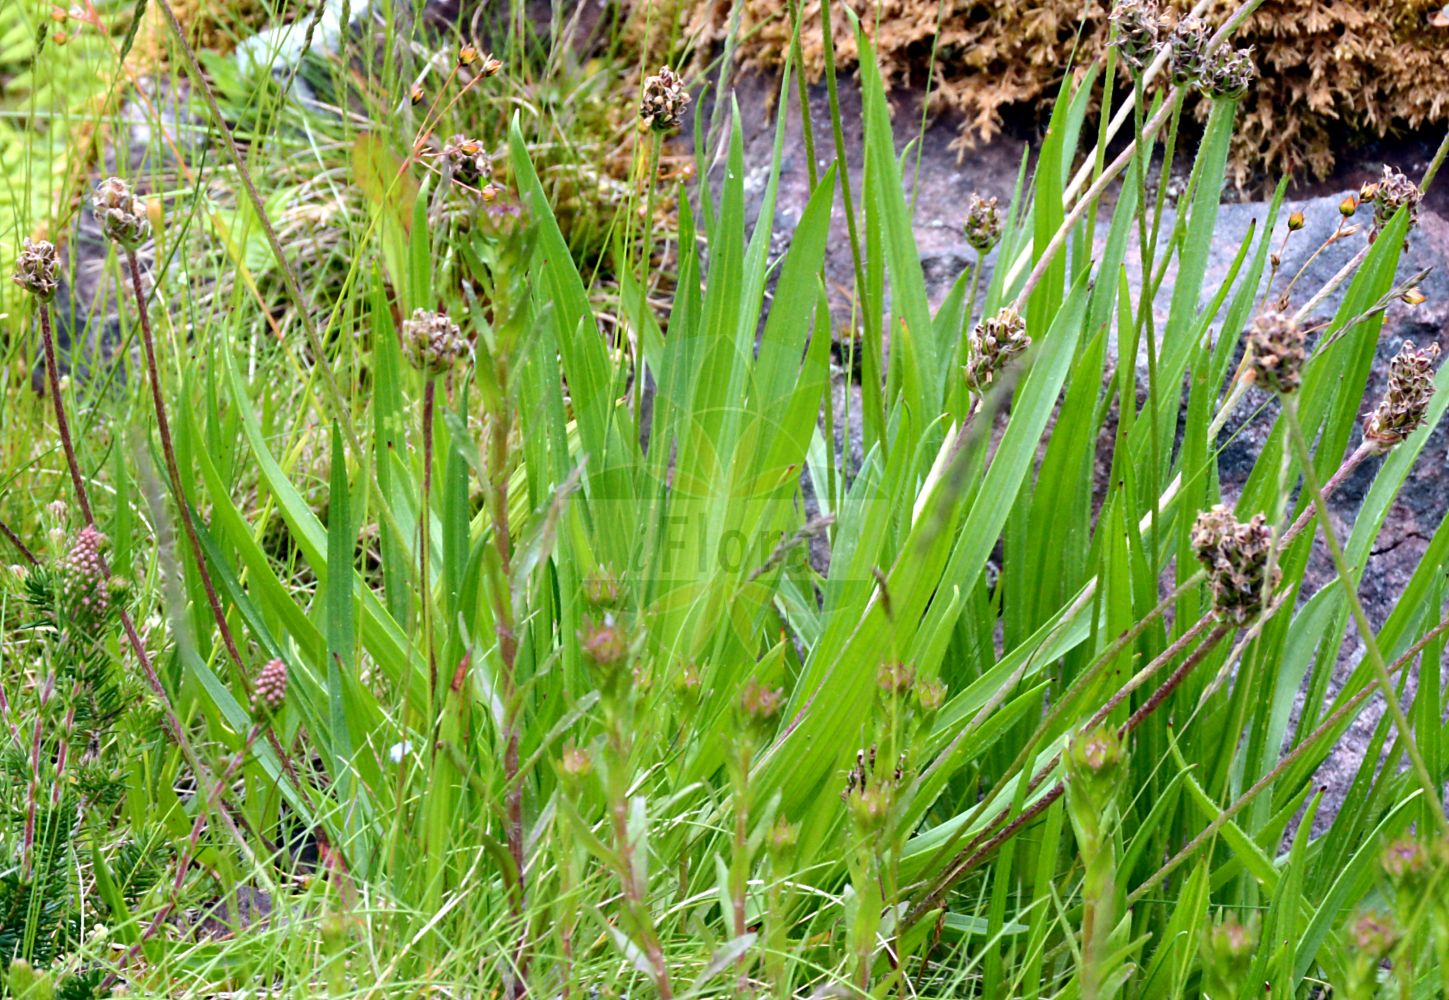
(941, 190)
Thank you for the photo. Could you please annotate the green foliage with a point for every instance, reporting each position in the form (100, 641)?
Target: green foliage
(590, 687)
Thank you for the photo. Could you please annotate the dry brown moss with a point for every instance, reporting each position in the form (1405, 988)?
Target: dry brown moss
(1330, 71)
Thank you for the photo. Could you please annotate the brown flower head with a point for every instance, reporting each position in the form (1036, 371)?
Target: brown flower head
(983, 223)
(1229, 74)
(1411, 387)
(1187, 56)
(270, 690)
(994, 342)
(467, 160)
(120, 213)
(1139, 29)
(1394, 191)
(1236, 557)
(37, 270)
(1276, 351)
(432, 342)
(665, 101)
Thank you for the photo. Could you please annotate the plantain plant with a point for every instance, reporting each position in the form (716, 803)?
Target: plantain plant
(510, 634)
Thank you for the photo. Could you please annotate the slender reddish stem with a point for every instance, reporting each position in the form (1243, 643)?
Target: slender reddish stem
(173, 472)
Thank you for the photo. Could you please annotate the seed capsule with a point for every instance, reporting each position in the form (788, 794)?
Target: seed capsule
(432, 342)
(1235, 555)
(120, 213)
(983, 223)
(1411, 388)
(37, 270)
(665, 101)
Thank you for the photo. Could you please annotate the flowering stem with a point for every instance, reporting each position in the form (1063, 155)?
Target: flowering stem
(183, 507)
(1298, 752)
(1355, 606)
(1040, 805)
(168, 449)
(52, 371)
(153, 680)
(425, 587)
(508, 652)
(20, 546)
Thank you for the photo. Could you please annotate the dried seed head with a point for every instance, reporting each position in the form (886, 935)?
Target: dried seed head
(665, 101)
(1411, 387)
(1187, 56)
(895, 678)
(1139, 29)
(1236, 557)
(491, 66)
(1395, 191)
(120, 213)
(859, 775)
(994, 342)
(270, 689)
(467, 55)
(467, 160)
(983, 223)
(1229, 74)
(1296, 221)
(1276, 351)
(1348, 208)
(85, 590)
(416, 94)
(432, 342)
(37, 270)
